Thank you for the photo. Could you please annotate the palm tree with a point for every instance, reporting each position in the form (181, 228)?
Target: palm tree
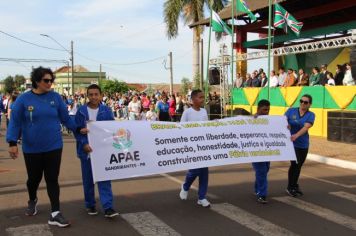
(191, 11)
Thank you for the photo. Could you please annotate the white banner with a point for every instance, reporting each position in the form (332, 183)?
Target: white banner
(125, 149)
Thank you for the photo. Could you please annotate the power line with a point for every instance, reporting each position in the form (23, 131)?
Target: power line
(83, 56)
(34, 44)
(121, 64)
(20, 60)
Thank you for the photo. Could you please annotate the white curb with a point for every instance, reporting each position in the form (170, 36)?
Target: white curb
(332, 161)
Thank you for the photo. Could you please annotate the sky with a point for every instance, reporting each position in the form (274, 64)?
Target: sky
(110, 32)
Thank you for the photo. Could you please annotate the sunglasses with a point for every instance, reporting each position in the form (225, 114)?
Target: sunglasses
(304, 102)
(47, 81)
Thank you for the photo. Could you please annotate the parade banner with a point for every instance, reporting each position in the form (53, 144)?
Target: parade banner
(126, 149)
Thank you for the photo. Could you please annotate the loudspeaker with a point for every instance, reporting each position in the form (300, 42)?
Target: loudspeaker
(348, 132)
(348, 135)
(334, 126)
(214, 76)
(334, 134)
(349, 119)
(334, 118)
(342, 126)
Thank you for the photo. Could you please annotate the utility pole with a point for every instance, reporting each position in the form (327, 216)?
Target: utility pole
(100, 74)
(171, 69)
(72, 60)
(67, 89)
(201, 65)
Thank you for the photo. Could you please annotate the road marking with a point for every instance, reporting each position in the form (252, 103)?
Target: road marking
(324, 213)
(148, 224)
(174, 179)
(30, 230)
(345, 195)
(322, 180)
(249, 220)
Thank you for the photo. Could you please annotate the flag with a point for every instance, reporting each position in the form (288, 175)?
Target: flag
(241, 6)
(283, 20)
(218, 25)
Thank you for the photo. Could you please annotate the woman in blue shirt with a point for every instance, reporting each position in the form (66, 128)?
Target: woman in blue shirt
(38, 115)
(163, 109)
(300, 120)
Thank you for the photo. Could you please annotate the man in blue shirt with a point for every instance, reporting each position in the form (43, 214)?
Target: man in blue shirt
(300, 120)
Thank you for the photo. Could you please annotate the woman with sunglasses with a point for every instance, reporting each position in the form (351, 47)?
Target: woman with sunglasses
(38, 115)
(300, 120)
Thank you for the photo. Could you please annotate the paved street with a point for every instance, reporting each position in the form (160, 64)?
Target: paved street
(151, 206)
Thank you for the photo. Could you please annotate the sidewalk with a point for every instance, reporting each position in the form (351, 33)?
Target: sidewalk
(332, 153)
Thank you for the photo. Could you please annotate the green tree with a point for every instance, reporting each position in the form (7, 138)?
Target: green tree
(9, 84)
(19, 80)
(113, 86)
(185, 85)
(191, 11)
(196, 81)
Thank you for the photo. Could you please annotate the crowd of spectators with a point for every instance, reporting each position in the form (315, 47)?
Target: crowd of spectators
(318, 77)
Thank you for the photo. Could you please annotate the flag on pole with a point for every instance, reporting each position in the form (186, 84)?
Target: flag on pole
(283, 20)
(241, 6)
(219, 25)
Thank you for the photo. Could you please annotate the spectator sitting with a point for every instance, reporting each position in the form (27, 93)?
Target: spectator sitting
(331, 81)
(348, 80)
(282, 77)
(255, 80)
(273, 80)
(248, 81)
(290, 79)
(314, 77)
(303, 78)
(339, 75)
(264, 80)
(323, 73)
(239, 81)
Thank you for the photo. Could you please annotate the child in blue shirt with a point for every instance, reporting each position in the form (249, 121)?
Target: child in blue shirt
(261, 168)
(93, 111)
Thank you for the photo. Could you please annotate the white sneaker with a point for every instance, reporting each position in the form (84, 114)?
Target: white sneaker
(183, 194)
(204, 203)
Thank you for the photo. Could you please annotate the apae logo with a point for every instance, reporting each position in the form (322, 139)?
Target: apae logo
(122, 139)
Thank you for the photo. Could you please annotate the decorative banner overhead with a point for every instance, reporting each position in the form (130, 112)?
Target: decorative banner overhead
(291, 94)
(342, 95)
(251, 94)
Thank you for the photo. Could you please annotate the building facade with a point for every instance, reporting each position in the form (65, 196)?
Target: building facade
(82, 79)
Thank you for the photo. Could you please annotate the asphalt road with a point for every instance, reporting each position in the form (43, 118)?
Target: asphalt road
(151, 205)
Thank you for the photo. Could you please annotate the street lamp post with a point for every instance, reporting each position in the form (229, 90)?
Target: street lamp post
(71, 58)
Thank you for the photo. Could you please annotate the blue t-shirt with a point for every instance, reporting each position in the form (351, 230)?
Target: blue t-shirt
(163, 107)
(296, 123)
(38, 117)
